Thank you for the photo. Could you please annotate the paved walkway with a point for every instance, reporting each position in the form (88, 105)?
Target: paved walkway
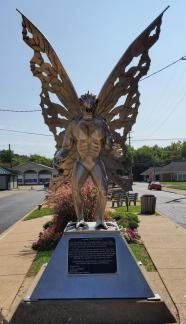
(16, 257)
(165, 241)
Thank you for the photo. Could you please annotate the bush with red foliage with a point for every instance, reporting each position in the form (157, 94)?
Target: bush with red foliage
(60, 197)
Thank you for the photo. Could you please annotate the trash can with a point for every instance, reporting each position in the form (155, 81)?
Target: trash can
(148, 204)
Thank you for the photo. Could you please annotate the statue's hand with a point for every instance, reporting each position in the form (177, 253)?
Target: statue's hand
(59, 157)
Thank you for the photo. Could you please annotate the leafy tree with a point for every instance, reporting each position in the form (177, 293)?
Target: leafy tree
(183, 150)
(6, 157)
(127, 162)
(40, 159)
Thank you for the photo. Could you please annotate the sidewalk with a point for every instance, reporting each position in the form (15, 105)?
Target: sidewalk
(164, 240)
(16, 257)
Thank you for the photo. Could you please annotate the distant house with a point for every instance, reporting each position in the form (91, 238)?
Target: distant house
(8, 179)
(174, 171)
(34, 173)
(152, 173)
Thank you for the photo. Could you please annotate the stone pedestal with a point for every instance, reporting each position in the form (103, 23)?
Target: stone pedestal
(91, 263)
(92, 277)
(93, 311)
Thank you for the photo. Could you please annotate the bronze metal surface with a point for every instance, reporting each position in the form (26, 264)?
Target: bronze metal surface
(88, 132)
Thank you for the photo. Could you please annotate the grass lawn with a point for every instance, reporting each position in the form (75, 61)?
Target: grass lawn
(174, 182)
(39, 213)
(132, 209)
(142, 255)
(181, 185)
(42, 257)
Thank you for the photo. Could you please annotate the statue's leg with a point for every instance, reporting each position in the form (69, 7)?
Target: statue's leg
(100, 180)
(79, 175)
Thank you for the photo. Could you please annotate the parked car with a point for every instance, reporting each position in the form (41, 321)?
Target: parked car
(154, 185)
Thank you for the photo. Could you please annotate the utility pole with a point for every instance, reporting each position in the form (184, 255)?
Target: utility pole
(129, 140)
(131, 173)
(10, 156)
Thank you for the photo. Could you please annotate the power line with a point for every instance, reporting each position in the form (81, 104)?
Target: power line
(20, 111)
(135, 140)
(159, 139)
(183, 58)
(169, 115)
(164, 99)
(30, 133)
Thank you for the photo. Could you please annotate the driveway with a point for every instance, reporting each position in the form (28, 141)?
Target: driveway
(14, 206)
(170, 204)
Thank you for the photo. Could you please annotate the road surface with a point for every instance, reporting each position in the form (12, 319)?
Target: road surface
(169, 204)
(16, 205)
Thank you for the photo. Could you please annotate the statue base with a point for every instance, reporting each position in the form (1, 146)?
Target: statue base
(93, 311)
(90, 263)
(92, 278)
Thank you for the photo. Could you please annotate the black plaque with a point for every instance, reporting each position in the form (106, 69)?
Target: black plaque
(92, 255)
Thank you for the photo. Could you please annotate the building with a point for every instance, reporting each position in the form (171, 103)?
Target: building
(32, 173)
(152, 173)
(8, 179)
(174, 171)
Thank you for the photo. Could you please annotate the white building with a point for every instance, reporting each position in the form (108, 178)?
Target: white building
(34, 173)
(8, 179)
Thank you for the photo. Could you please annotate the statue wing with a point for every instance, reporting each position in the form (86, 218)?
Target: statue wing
(46, 66)
(118, 100)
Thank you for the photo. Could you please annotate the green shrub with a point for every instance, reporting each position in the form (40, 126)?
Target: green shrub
(128, 223)
(126, 219)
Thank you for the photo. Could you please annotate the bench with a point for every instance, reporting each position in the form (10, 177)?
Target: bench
(119, 197)
(132, 197)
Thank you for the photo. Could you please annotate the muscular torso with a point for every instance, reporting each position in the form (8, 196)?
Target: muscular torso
(89, 137)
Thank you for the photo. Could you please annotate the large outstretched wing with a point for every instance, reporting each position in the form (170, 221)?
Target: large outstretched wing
(123, 82)
(120, 113)
(46, 65)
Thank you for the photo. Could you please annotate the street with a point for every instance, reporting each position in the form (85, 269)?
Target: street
(169, 204)
(13, 207)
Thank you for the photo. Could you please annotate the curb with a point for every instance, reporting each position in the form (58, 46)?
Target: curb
(184, 194)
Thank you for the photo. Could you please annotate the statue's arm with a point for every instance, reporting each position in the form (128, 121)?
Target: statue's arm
(67, 145)
(68, 138)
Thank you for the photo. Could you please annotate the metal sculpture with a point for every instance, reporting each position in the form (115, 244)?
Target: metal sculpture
(89, 137)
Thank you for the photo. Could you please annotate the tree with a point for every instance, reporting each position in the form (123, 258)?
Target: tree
(41, 159)
(183, 150)
(6, 157)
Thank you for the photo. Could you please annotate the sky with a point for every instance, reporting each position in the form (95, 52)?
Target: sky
(89, 37)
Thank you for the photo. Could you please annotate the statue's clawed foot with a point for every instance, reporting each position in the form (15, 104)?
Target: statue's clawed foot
(101, 225)
(81, 224)
(111, 224)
